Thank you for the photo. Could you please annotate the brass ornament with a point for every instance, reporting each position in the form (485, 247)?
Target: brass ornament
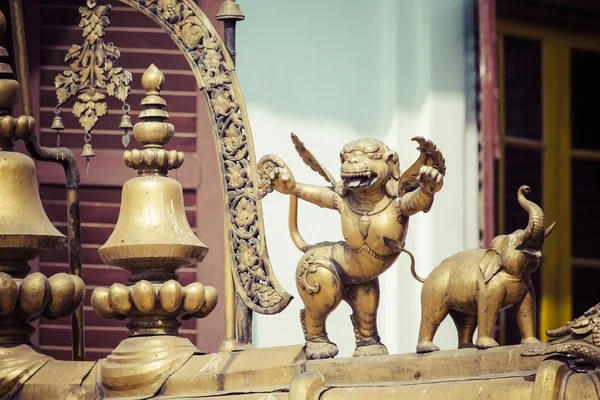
(126, 125)
(92, 73)
(230, 10)
(375, 201)
(155, 359)
(474, 285)
(579, 339)
(88, 151)
(152, 239)
(57, 125)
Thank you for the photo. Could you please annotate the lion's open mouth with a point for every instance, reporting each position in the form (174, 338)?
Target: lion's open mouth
(359, 179)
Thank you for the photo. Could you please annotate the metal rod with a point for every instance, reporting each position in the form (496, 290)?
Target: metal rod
(237, 315)
(230, 37)
(229, 295)
(62, 156)
(243, 315)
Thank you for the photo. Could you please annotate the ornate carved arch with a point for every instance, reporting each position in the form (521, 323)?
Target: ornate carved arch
(246, 250)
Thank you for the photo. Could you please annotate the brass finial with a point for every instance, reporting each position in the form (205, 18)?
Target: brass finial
(5, 69)
(153, 132)
(9, 94)
(11, 128)
(229, 9)
(152, 239)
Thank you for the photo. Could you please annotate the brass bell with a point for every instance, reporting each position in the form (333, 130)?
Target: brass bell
(57, 123)
(25, 229)
(141, 241)
(126, 122)
(88, 151)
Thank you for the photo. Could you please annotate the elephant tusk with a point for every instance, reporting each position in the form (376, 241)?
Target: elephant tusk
(548, 231)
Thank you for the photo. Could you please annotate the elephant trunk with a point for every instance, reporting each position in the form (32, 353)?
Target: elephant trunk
(534, 233)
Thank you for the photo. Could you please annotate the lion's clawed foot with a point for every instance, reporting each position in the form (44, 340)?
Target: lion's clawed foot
(316, 350)
(377, 349)
(426, 347)
(485, 343)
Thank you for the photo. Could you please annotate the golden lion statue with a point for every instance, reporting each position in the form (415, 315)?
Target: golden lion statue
(375, 202)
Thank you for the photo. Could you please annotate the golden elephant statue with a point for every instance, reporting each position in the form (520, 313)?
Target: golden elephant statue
(474, 285)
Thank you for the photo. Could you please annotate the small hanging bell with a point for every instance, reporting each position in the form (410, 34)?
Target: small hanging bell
(126, 125)
(126, 122)
(87, 152)
(57, 125)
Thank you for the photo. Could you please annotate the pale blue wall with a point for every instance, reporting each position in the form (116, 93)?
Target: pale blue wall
(336, 70)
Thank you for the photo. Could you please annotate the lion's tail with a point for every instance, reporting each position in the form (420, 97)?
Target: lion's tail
(412, 266)
(399, 247)
(293, 223)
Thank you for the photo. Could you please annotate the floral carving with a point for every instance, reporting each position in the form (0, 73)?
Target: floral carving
(236, 174)
(92, 68)
(191, 30)
(244, 213)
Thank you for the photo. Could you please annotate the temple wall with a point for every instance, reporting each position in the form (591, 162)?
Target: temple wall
(337, 70)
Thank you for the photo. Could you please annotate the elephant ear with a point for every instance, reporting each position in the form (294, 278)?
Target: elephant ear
(490, 264)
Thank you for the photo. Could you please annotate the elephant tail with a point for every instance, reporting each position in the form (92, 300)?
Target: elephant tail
(293, 226)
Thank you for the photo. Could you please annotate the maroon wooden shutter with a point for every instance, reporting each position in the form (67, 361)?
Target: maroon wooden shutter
(52, 29)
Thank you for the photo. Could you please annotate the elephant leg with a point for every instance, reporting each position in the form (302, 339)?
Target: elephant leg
(364, 301)
(489, 302)
(434, 309)
(526, 317)
(465, 326)
(320, 289)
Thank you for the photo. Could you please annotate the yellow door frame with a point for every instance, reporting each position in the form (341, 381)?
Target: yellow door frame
(556, 291)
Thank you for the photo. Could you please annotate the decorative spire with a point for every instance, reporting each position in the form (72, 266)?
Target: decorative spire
(5, 69)
(11, 129)
(152, 239)
(153, 132)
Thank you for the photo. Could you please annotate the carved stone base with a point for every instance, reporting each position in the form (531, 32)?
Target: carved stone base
(140, 365)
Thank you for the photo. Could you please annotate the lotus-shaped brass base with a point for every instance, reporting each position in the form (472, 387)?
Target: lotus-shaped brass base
(154, 308)
(25, 300)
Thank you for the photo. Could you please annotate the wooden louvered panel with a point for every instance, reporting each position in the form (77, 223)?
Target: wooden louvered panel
(141, 43)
